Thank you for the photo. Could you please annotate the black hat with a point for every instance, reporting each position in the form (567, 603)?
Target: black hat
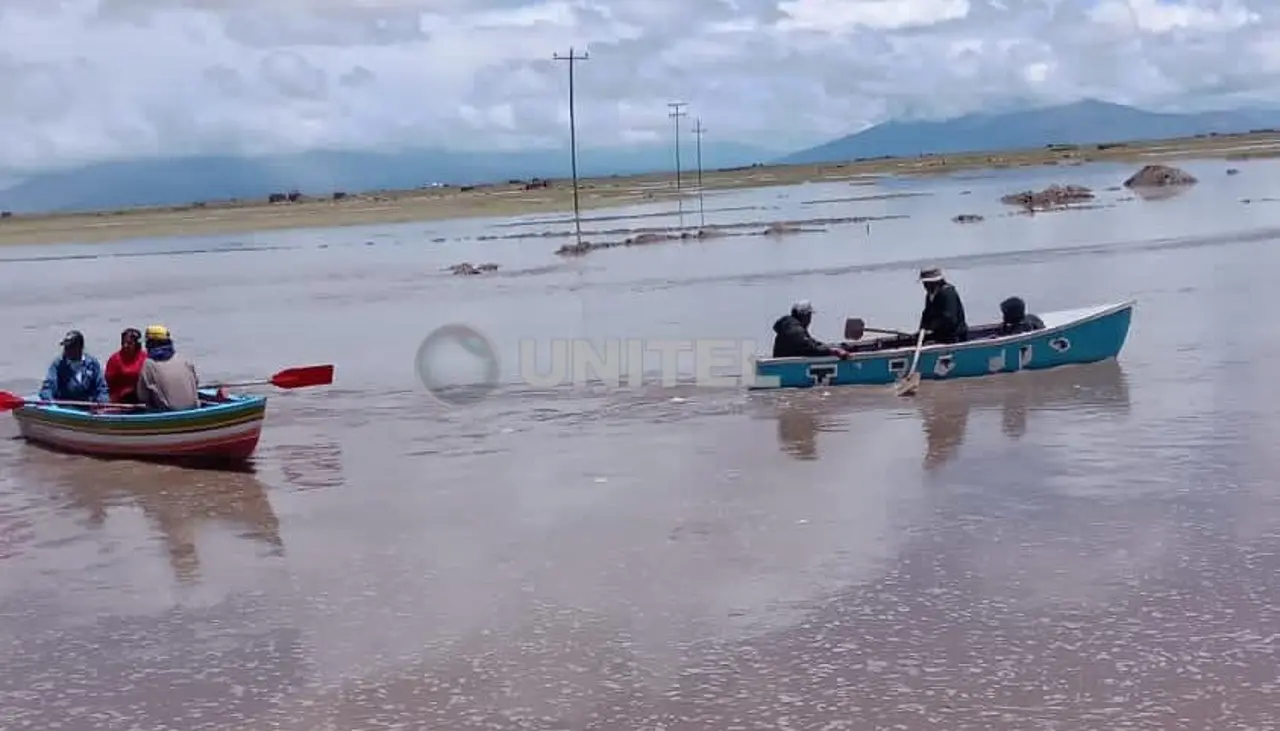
(73, 337)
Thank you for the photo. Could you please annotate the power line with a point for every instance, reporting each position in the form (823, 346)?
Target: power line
(572, 59)
(675, 115)
(698, 131)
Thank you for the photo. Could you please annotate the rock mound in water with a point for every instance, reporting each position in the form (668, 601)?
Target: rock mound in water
(967, 218)
(1053, 196)
(1158, 176)
(467, 269)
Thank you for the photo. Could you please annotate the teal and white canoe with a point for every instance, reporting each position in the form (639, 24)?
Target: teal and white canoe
(1084, 335)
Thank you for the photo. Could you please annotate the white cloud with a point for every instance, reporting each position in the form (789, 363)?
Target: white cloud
(833, 15)
(1157, 16)
(97, 79)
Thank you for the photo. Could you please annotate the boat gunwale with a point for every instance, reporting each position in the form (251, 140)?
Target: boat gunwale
(69, 417)
(1098, 312)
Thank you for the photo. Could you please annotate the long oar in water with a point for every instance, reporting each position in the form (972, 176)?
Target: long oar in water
(300, 377)
(855, 328)
(911, 381)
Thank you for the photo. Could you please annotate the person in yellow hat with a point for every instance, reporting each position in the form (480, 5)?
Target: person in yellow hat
(168, 381)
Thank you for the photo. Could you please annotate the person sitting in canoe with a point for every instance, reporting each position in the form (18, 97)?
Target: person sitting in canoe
(1015, 319)
(792, 339)
(167, 381)
(75, 375)
(943, 316)
(124, 366)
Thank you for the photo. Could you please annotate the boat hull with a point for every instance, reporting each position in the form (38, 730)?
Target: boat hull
(1087, 335)
(219, 431)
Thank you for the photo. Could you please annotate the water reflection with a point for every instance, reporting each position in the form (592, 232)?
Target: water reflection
(944, 408)
(1164, 193)
(311, 466)
(175, 500)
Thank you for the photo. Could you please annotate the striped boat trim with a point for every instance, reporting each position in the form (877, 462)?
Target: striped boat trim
(233, 437)
(239, 445)
(174, 423)
(128, 429)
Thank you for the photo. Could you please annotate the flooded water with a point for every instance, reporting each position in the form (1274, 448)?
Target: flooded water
(1095, 547)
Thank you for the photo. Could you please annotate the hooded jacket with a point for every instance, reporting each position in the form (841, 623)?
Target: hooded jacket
(792, 340)
(168, 382)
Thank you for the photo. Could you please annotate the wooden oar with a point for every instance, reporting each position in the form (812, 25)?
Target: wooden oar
(300, 377)
(911, 381)
(855, 328)
(11, 401)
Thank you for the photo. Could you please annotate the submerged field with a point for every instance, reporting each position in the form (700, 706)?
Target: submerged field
(1093, 547)
(389, 207)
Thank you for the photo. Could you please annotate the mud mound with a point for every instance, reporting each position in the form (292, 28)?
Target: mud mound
(1157, 176)
(783, 228)
(467, 269)
(1055, 196)
(644, 239)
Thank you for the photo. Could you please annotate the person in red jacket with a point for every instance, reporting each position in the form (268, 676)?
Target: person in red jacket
(124, 366)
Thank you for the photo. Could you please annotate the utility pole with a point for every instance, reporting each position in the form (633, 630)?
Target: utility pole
(675, 115)
(698, 131)
(573, 140)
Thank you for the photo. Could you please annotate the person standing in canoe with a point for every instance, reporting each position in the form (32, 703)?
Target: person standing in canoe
(167, 381)
(943, 316)
(792, 339)
(125, 366)
(75, 375)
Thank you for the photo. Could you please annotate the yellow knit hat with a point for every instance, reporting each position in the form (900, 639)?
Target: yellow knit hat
(157, 332)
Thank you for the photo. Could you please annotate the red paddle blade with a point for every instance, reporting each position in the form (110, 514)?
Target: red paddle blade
(9, 401)
(303, 377)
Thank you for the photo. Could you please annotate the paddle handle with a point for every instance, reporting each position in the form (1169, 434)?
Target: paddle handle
(915, 358)
(909, 382)
(238, 384)
(899, 333)
(80, 404)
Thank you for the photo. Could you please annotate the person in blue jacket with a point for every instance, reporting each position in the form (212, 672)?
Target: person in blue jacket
(75, 375)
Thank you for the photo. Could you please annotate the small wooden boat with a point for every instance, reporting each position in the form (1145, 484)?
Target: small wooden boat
(221, 430)
(1085, 335)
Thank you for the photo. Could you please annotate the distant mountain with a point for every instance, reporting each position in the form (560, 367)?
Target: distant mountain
(178, 181)
(1085, 122)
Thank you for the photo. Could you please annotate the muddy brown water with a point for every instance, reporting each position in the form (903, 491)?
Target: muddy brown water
(1088, 548)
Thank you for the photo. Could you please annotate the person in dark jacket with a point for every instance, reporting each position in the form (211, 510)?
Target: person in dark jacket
(1015, 319)
(75, 375)
(793, 339)
(943, 315)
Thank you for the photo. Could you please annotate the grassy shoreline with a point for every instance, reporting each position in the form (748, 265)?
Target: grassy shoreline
(510, 199)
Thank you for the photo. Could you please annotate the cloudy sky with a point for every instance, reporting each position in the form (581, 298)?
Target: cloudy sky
(91, 79)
